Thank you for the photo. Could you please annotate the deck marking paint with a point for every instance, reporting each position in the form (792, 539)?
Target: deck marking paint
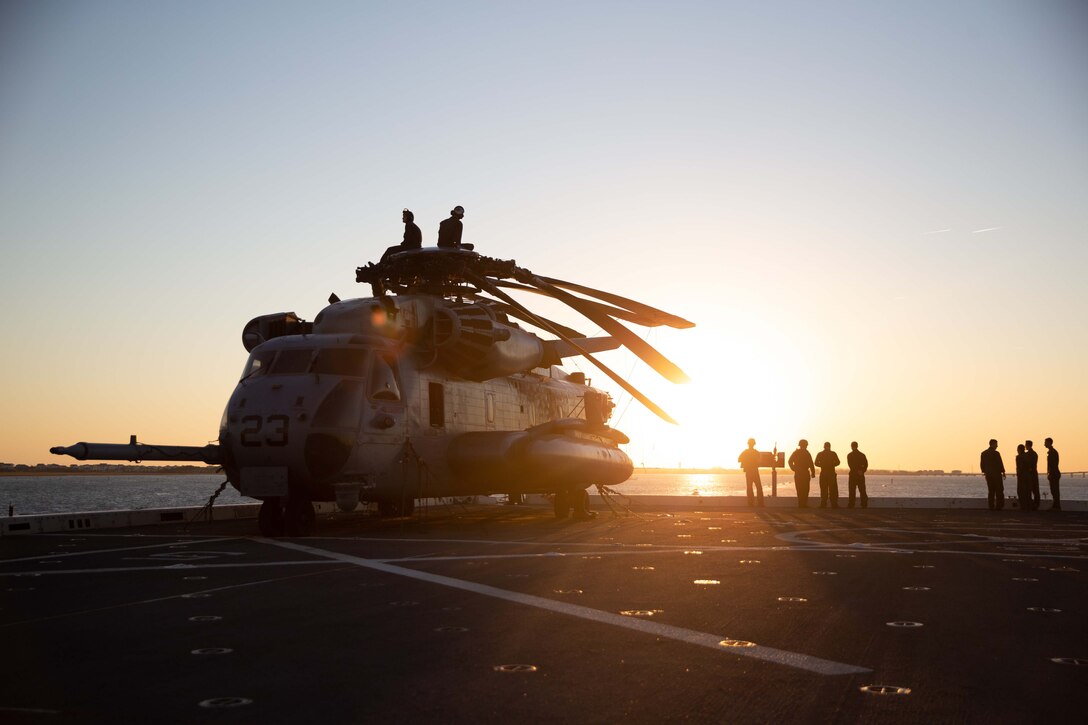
(657, 629)
(173, 542)
(165, 599)
(169, 568)
(492, 542)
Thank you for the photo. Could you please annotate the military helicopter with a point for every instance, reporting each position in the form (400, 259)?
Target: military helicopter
(429, 388)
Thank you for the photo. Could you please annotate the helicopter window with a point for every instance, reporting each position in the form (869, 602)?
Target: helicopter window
(437, 398)
(383, 381)
(258, 363)
(340, 361)
(291, 362)
(341, 407)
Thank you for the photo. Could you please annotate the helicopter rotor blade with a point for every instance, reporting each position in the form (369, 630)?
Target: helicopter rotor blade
(531, 319)
(493, 289)
(635, 317)
(647, 352)
(660, 316)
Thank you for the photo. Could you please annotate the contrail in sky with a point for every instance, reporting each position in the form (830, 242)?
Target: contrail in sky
(939, 231)
(987, 229)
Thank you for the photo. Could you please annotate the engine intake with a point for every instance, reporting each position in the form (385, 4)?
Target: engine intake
(264, 328)
(470, 341)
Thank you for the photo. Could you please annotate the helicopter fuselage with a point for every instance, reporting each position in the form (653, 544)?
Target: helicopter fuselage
(378, 415)
(427, 389)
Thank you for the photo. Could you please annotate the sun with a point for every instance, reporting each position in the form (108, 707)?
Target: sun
(737, 391)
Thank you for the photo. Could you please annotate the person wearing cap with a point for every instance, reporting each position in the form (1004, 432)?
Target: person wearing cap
(803, 471)
(413, 238)
(449, 230)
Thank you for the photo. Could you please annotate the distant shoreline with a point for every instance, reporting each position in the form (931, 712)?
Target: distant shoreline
(133, 471)
(788, 472)
(209, 470)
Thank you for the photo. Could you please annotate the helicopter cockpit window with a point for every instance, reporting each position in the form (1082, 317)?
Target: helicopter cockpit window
(292, 361)
(383, 381)
(258, 363)
(340, 361)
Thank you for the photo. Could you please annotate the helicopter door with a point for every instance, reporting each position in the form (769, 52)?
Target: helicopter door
(394, 478)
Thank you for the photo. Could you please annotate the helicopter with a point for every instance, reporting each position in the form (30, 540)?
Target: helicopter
(429, 388)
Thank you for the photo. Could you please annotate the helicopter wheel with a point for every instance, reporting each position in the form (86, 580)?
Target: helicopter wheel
(561, 502)
(270, 519)
(580, 502)
(299, 518)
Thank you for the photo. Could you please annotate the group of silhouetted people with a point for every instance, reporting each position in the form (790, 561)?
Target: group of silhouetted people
(804, 470)
(449, 233)
(1027, 476)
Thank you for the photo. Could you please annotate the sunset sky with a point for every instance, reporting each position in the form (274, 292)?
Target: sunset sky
(875, 212)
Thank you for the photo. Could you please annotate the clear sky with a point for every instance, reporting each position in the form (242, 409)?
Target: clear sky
(875, 212)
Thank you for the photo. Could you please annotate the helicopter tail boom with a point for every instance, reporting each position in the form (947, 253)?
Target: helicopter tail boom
(137, 452)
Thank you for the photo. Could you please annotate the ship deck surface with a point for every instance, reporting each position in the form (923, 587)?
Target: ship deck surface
(503, 614)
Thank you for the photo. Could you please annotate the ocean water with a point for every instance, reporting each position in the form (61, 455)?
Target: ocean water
(1073, 488)
(61, 494)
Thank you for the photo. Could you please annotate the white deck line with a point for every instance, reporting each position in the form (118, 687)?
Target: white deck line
(82, 523)
(657, 629)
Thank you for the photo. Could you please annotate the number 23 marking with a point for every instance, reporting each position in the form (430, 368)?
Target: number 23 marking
(276, 430)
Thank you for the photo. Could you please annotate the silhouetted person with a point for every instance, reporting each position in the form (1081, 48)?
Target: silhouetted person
(413, 238)
(749, 461)
(1032, 474)
(826, 460)
(1023, 479)
(449, 230)
(994, 471)
(803, 471)
(859, 464)
(1053, 474)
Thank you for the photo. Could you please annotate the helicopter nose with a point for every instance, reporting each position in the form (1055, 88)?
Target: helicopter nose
(326, 453)
(331, 438)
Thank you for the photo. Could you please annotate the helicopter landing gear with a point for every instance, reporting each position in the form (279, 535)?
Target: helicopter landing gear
(270, 517)
(299, 517)
(396, 507)
(580, 503)
(561, 504)
(286, 516)
(576, 499)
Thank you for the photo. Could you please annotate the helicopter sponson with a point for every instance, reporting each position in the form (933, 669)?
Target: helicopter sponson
(427, 389)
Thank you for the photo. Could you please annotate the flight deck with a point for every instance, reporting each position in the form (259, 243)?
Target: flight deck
(503, 614)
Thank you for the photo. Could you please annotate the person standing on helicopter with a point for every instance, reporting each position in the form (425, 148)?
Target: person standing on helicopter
(449, 230)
